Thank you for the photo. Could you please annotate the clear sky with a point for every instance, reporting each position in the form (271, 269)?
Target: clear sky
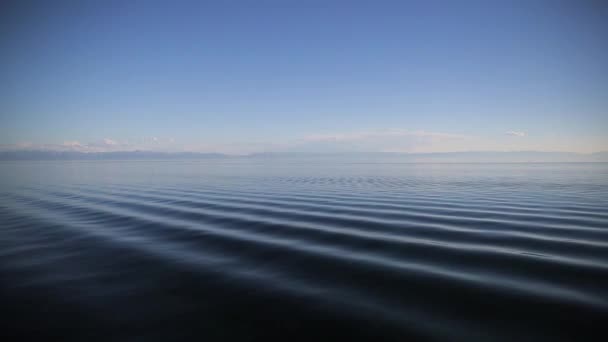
(251, 76)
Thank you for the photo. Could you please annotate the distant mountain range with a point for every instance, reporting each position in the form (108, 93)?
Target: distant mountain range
(444, 157)
(122, 155)
(453, 157)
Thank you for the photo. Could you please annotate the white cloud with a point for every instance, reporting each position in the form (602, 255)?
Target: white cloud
(383, 140)
(386, 140)
(357, 136)
(110, 142)
(105, 145)
(380, 140)
(72, 143)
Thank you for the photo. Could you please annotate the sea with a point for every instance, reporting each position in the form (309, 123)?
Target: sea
(246, 249)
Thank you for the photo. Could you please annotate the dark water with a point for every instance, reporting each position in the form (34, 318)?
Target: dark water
(258, 250)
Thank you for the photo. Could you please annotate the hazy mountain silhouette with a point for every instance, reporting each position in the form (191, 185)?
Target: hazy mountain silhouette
(447, 157)
(120, 155)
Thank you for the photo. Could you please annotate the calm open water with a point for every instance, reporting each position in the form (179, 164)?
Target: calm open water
(250, 249)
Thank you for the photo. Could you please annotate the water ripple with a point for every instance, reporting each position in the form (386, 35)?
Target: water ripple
(440, 257)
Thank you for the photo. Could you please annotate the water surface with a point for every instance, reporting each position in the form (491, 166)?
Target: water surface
(300, 250)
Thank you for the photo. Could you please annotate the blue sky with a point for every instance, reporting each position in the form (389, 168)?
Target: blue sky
(251, 76)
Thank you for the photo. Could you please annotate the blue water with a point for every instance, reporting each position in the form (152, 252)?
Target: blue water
(247, 249)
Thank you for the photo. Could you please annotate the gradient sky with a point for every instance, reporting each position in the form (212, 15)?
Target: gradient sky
(251, 76)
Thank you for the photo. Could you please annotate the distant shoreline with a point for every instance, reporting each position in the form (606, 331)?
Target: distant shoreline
(353, 157)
